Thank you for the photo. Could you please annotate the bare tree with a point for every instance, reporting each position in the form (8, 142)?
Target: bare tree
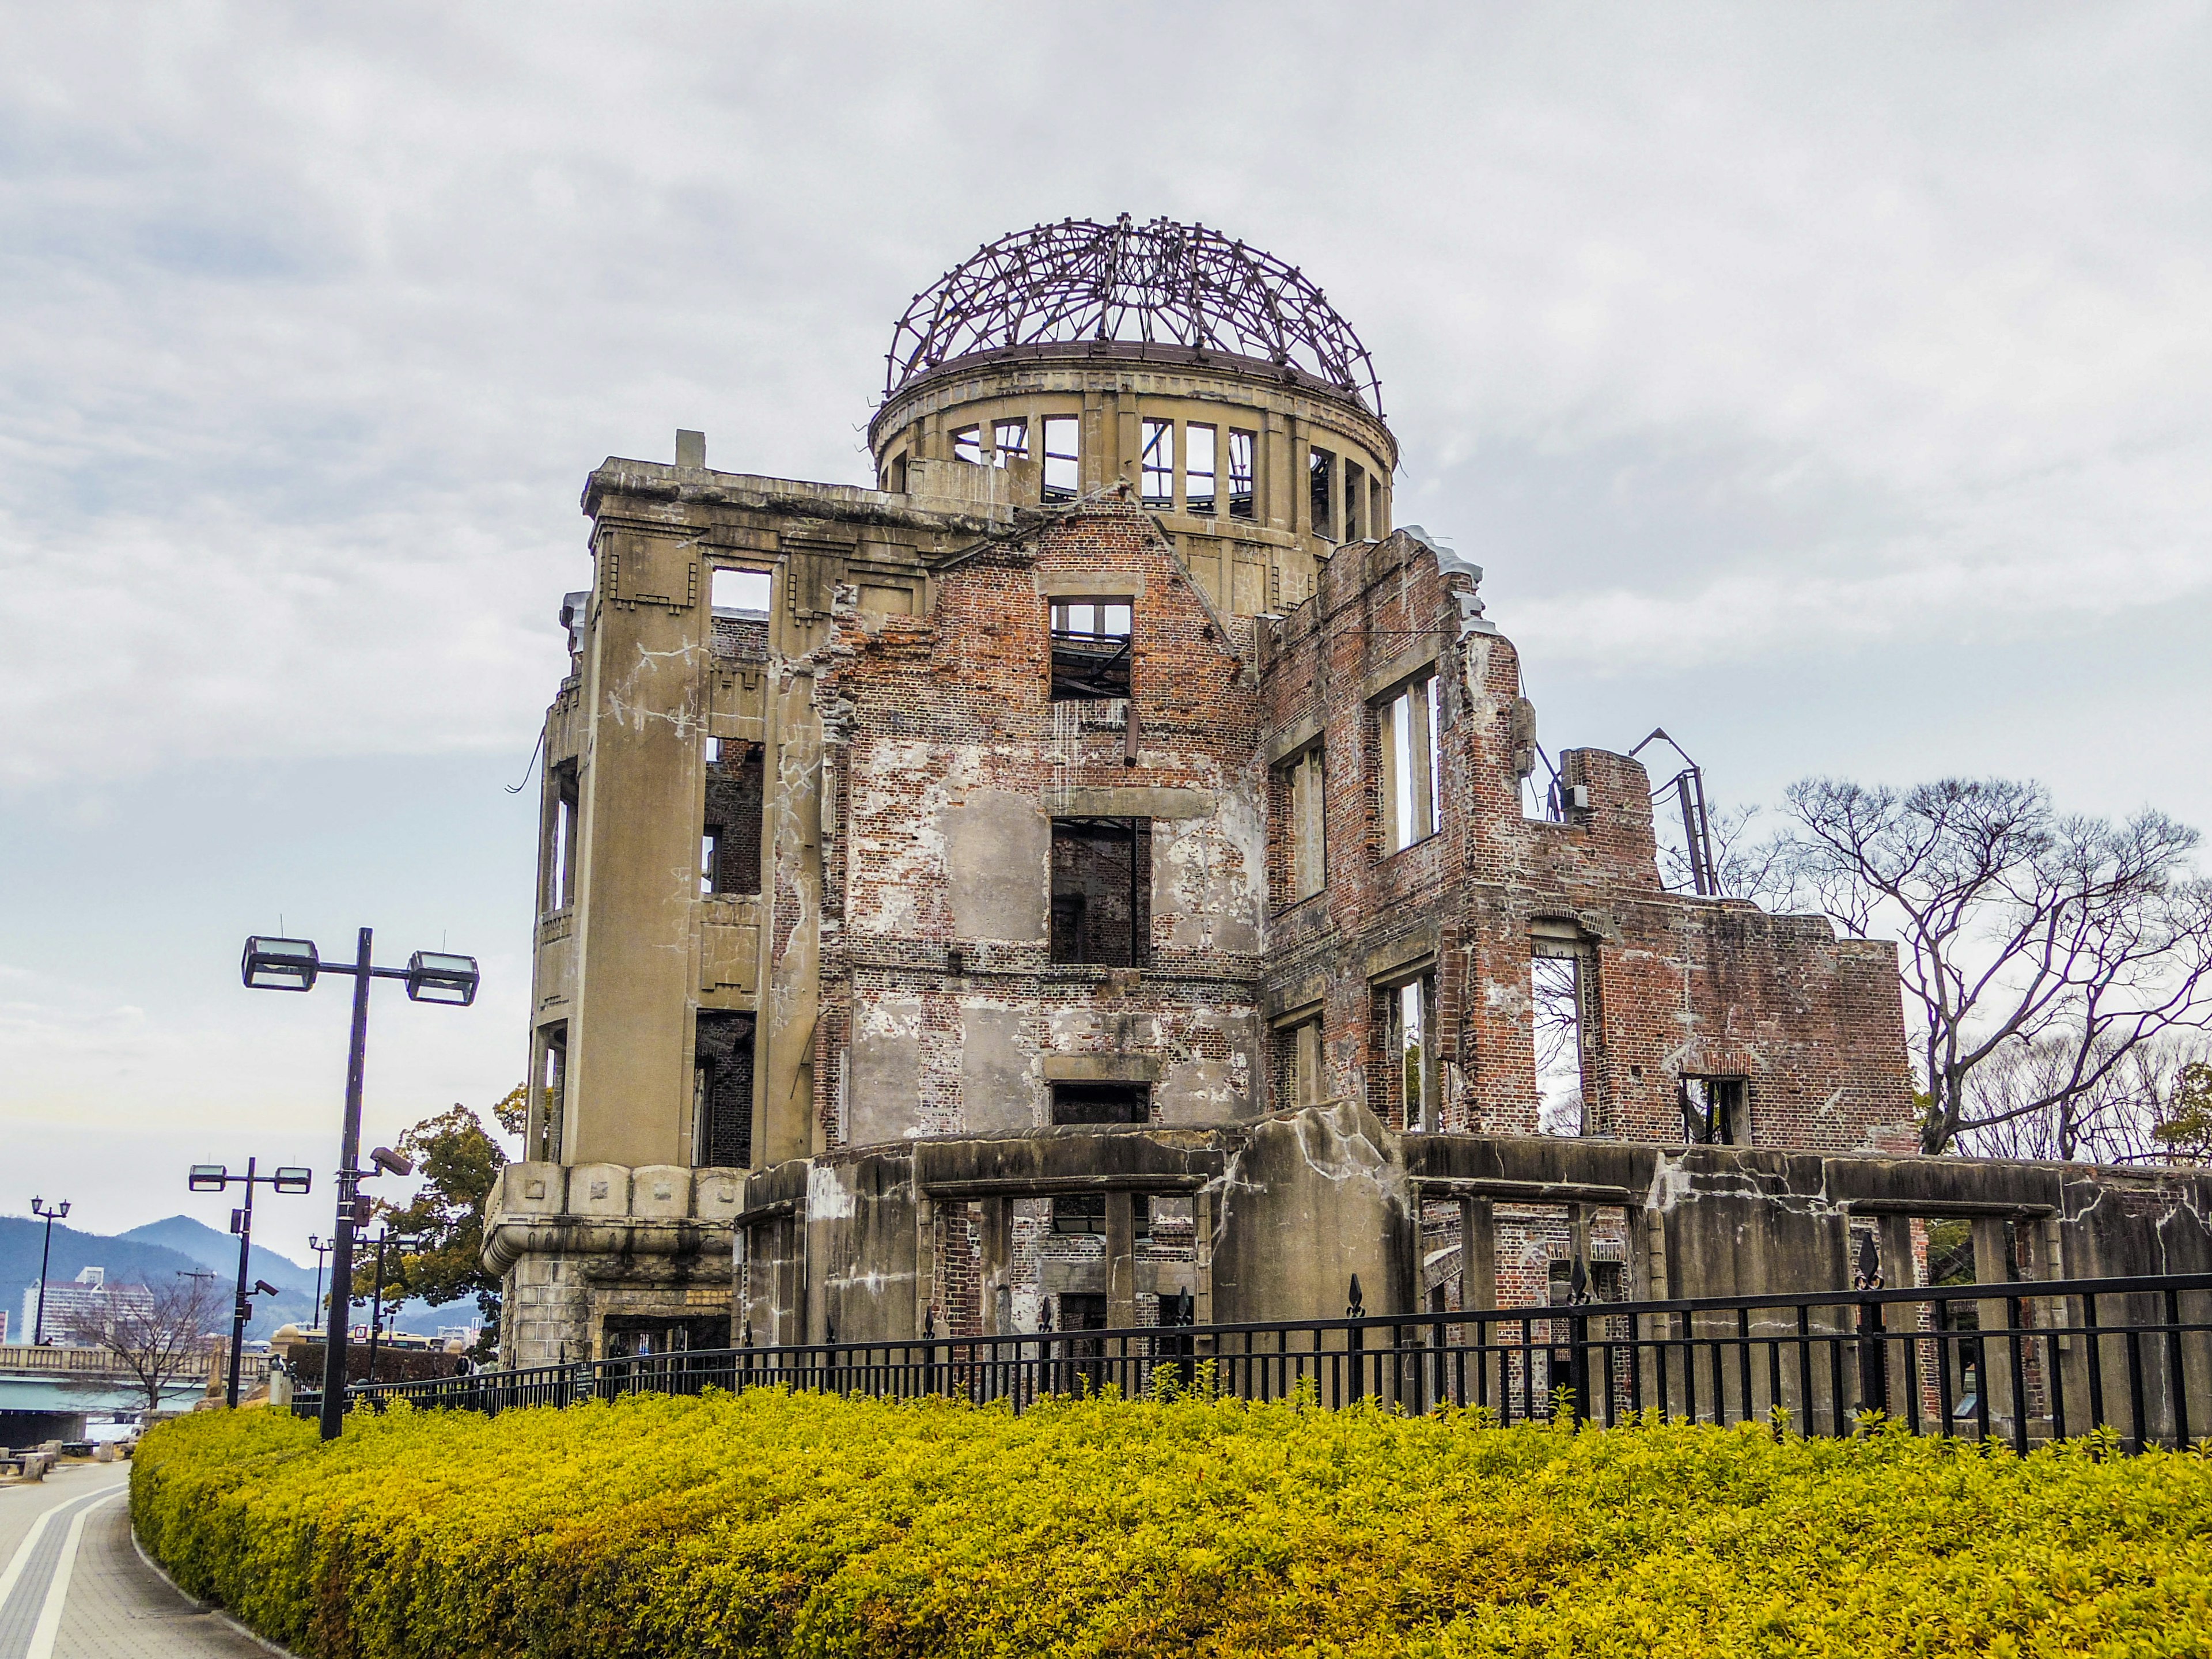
(1747, 865)
(157, 1338)
(2069, 939)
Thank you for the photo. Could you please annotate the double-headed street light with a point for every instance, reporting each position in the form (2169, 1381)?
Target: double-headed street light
(295, 964)
(213, 1178)
(321, 1247)
(49, 1215)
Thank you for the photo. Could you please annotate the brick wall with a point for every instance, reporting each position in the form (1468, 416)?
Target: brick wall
(1674, 985)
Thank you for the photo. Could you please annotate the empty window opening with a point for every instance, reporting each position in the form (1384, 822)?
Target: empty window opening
(1556, 1016)
(1086, 1213)
(637, 1336)
(895, 475)
(1241, 446)
(1412, 1044)
(561, 839)
(1198, 464)
(1355, 496)
(1010, 442)
(741, 590)
(1101, 1103)
(730, 837)
(1159, 463)
(552, 1095)
(1375, 527)
(1301, 799)
(968, 445)
(1713, 1112)
(1063, 472)
(1601, 1281)
(1412, 769)
(1321, 470)
(1091, 649)
(722, 1091)
(1102, 872)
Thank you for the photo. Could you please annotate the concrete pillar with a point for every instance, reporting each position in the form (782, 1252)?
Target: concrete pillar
(1121, 1261)
(998, 1261)
(637, 869)
(1993, 1264)
(1478, 1254)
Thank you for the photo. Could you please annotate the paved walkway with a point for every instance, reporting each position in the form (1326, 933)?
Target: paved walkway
(72, 1587)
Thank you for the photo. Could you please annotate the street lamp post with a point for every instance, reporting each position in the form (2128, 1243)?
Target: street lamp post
(321, 1247)
(213, 1178)
(376, 1303)
(292, 965)
(38, 1207)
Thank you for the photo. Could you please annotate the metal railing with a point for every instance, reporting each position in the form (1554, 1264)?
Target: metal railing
(2021, 1363)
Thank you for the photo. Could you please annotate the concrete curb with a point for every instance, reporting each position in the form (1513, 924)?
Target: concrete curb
(199, 1606)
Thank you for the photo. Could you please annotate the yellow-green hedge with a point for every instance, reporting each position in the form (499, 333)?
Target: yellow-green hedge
(768, 1524)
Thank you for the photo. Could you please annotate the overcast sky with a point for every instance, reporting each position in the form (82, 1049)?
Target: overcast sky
(1829, 384)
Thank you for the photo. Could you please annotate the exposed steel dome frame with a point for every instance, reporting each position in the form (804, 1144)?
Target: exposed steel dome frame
(1161, 282)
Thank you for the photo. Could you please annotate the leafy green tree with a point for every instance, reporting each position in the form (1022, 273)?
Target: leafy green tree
(440, 1232)
(2185, 1129)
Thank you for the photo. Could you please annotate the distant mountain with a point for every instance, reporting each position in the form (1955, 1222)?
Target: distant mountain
(161, 1249)
(217, 1250)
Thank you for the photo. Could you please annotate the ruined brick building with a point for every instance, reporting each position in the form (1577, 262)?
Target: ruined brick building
(1105, 871)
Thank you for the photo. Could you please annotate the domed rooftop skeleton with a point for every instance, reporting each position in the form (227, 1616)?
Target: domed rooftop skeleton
(1161, 282)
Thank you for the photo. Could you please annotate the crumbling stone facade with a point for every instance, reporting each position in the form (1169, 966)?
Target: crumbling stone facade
(1093, 876)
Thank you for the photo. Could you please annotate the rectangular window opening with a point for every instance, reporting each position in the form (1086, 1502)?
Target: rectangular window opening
(561, 840)
(1086, 1213)
(1102, 878)
(1412, 771)
(1091, 647)
(968, 445)
(730, 837)
(1713, 1112)
(1158, 459)
(1010, 442)
(1355, 495)
(1242, 503)
(743, 591)
(1412, 1041)
(553, 1094)
(1375, 527)
(1198, 466)
(1556, 1020)
(722, 1077)
(1063, 472)
(1321, 475)
(1101, 1103)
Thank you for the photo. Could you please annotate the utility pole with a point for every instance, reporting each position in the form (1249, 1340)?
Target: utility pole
(38, 1320)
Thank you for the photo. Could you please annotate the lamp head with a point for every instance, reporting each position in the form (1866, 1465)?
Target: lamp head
(280, 965)
(434, 977)
(292, 1178)
(208, 1177)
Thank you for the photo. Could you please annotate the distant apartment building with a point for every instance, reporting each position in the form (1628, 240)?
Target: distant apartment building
(73, 1303)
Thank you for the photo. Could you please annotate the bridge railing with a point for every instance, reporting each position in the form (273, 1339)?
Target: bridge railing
(56, 1360)
(2023, 1364)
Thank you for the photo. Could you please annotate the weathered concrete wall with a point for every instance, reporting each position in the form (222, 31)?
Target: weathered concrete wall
(943, 1011)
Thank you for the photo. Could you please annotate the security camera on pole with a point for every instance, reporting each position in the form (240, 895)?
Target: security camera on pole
(293, 964)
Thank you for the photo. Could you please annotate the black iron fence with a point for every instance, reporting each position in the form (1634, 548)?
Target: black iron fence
(2020, 1363)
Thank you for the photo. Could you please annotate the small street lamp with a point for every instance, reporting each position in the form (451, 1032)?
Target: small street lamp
(376, 1300)
(51, 1215)
(293, 964)
(213, 1178)
(322, 1248)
